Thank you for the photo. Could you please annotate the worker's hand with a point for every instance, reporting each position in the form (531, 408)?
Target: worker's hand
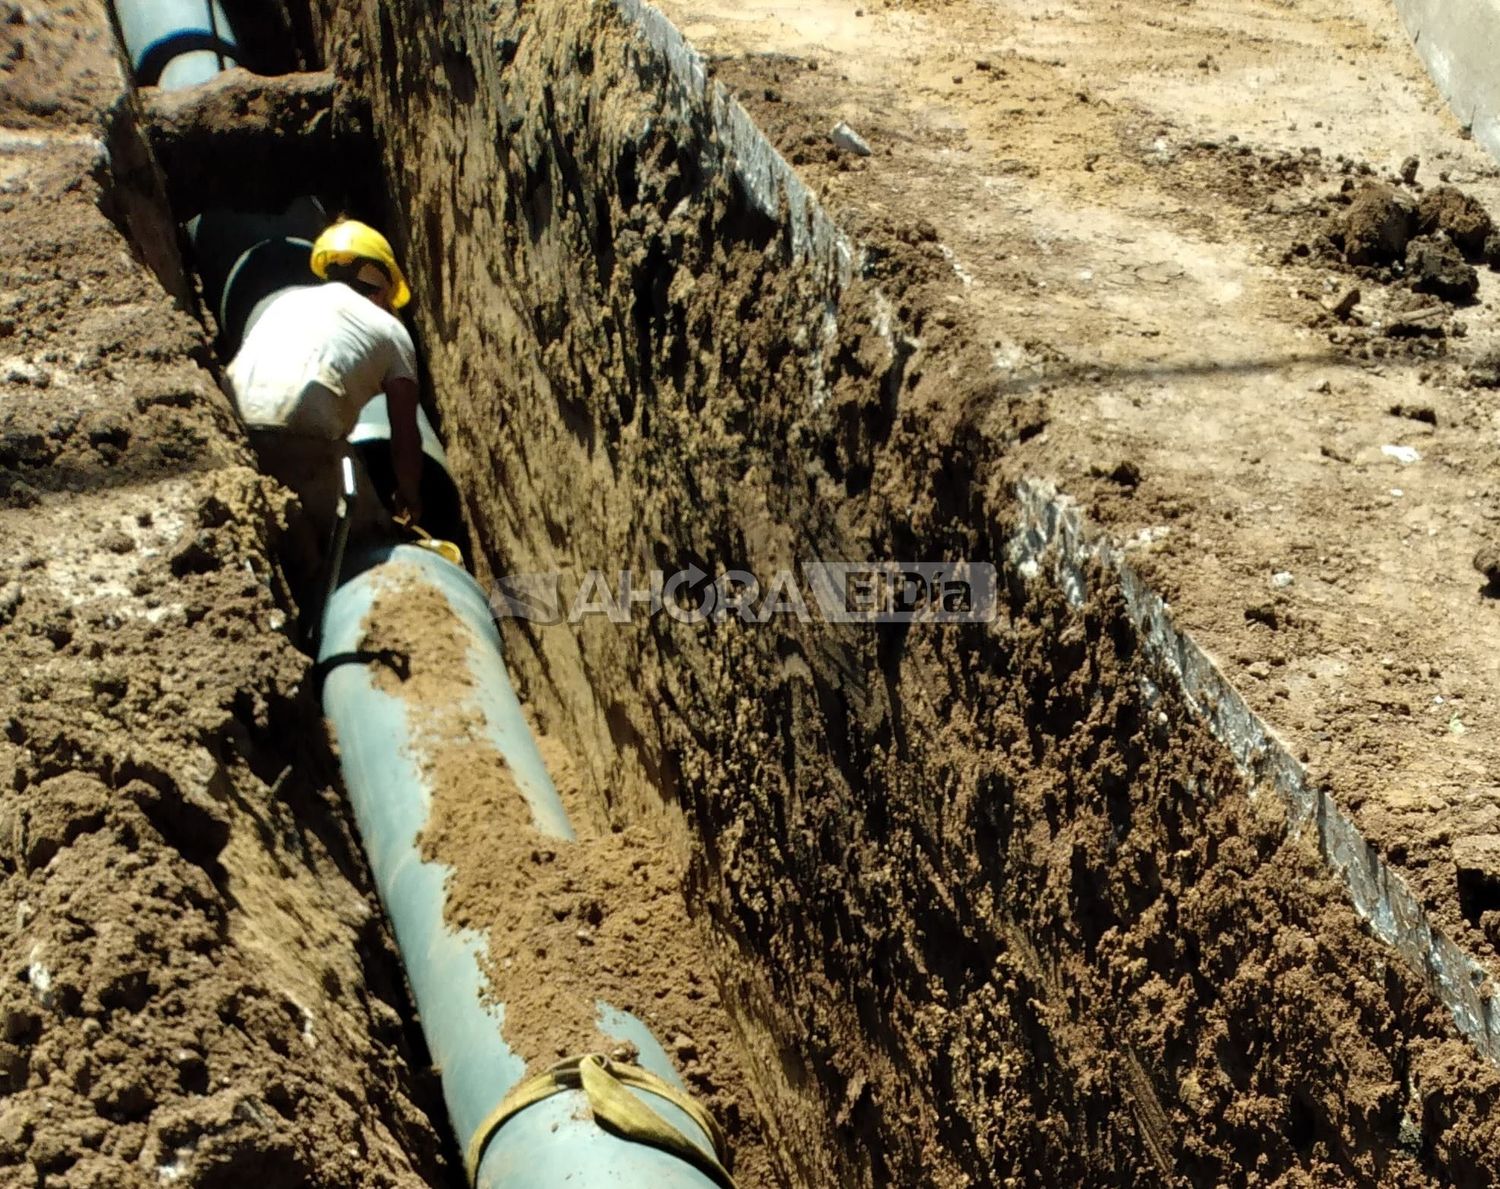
(408, 510)
(406, 447)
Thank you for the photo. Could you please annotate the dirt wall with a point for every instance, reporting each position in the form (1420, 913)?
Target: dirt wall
(988, 906)
(198, 987)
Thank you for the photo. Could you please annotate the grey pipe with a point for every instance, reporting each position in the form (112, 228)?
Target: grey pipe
(442, 509)
(374, 425)
(174, 44)
(552, 1144)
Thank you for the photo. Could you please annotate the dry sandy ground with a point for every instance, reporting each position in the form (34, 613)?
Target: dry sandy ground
(1121, 191)
(1119, 194)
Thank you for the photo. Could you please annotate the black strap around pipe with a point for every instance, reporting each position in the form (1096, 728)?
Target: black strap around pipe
(158, 55)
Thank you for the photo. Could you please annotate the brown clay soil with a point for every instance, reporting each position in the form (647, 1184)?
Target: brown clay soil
(990, 910)
(1137, 206)
(197, 987)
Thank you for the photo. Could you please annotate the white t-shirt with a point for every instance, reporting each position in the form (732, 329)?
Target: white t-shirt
(313, 359)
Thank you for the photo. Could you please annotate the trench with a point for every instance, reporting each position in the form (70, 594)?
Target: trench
(1028, 899)
(436, 754)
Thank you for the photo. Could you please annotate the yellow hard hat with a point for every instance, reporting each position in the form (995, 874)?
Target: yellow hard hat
(349, 240)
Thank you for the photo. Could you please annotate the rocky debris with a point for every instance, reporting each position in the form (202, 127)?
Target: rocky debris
(1344, 304)
(1377, 225)
(844, 137)
(1467, 223)
(1435, 265)
(1487, 562)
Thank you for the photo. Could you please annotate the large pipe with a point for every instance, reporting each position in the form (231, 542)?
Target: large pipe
(442, 511)
(174, 44)
(246, 258)
(553, 1143)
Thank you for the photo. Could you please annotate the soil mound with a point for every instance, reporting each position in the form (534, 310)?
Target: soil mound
(1378, 224)
(1437, 267)
(569, 924)
(1461, 215)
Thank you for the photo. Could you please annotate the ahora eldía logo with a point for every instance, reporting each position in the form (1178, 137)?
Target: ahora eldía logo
(833, 591)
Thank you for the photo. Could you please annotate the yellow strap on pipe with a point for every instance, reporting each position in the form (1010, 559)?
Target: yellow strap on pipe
(608, 1084)
(447, 550)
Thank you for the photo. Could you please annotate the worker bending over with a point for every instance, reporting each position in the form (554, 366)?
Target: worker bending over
(308, 365)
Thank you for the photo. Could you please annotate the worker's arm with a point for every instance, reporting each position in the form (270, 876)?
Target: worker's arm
(406, 445)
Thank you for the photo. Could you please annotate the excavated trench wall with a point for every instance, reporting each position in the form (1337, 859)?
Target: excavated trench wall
(198, 986)
(987, 901)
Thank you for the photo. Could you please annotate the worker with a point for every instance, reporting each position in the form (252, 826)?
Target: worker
(308, 365)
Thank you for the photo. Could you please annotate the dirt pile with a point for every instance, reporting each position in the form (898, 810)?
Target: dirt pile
(1432, 239)
(1382, 220)
(1461, 217)
(1414, 249)
(196, 987)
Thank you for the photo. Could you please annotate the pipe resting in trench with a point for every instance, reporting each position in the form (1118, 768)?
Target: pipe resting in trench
(547, 1143)
(622, 1126)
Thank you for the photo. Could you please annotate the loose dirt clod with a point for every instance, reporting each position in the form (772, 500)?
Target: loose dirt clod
(1436, 266)
(1377, 225)
(1461, 216)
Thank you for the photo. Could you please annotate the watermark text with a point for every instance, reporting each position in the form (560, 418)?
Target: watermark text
(830, 591)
